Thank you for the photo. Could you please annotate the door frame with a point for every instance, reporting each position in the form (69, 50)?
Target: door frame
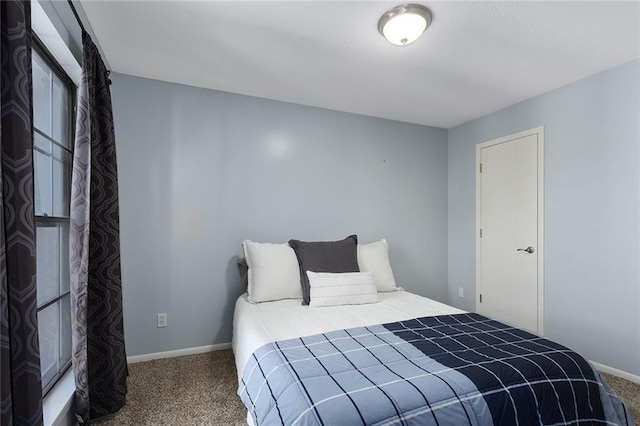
(539, 132)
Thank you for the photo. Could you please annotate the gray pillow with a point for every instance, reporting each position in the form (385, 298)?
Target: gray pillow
(243, 270)
(325, 256)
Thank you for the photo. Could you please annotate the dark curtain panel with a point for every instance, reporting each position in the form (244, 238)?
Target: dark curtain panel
(99, 358)
(21, 390)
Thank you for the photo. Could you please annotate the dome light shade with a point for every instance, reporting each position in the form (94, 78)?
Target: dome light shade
(403, 24)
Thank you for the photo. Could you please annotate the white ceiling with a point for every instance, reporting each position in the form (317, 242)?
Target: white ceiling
(476, 58)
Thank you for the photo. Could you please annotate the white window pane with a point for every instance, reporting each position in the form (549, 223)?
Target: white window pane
(42, 144)
(60, 112)
(65, 330)
(41, 95)
(52, 163)
(65, 278)
(49, 336)
(47, 262)
(61, 181)
(43, 171)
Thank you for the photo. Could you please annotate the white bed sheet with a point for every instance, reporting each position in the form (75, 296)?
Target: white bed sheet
(257, 324)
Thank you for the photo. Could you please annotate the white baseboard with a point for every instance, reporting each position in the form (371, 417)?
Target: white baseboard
(615, 372)
(178, 352)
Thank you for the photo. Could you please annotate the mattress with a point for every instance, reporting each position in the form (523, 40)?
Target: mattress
(256, 324)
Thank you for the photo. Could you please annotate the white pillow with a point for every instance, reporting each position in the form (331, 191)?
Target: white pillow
(274, 273)
(346, 288)
(374, 257)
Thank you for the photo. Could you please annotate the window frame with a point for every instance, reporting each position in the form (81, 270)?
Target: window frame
(45, 220)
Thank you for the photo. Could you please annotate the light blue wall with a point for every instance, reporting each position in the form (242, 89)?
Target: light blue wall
(592, 211)
(201, 170)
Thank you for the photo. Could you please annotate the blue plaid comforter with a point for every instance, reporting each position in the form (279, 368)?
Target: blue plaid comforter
(463, 369)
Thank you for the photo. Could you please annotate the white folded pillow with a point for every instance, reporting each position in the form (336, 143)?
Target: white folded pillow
(273, 272)
(374, 257)
(345, 288)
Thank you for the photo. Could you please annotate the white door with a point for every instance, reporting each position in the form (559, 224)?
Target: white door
(509, 276)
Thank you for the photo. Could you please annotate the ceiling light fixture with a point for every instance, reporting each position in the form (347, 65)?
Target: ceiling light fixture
(403, 24)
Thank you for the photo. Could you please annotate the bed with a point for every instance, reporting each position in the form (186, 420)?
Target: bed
(405, 359)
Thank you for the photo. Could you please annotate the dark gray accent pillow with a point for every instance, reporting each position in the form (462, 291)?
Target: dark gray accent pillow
(243, 270)
(325, 256)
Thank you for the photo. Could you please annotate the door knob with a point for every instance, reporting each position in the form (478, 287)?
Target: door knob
(528, 250)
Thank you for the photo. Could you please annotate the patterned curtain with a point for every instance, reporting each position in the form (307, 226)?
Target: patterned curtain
(99, 358)
(21, 389)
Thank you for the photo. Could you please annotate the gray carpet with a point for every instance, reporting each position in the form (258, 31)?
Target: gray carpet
(187, 390)
(201, 390)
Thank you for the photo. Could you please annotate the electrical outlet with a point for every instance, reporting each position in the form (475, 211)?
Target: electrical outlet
(460, 292)
(162, 320)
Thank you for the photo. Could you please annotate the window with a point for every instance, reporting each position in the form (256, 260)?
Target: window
(53, 95)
